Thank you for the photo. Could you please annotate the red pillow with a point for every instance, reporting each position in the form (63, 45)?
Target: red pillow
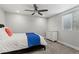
(9, 31)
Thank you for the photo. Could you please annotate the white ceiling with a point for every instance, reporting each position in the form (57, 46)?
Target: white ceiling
(52, 8)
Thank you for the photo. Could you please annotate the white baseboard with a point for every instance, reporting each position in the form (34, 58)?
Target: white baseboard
(69, 45)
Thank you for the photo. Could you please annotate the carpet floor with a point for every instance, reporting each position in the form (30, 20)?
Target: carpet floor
(55, 48)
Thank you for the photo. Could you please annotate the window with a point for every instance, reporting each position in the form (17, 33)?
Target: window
(67, 22)
(75, 25)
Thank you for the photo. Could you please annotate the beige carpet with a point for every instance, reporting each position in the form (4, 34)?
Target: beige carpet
(55, 48)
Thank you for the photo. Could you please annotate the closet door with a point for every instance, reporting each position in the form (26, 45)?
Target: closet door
(54, 36)
(51, 35)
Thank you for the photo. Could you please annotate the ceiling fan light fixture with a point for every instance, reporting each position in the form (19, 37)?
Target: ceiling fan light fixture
(37, 10)
(18, 11)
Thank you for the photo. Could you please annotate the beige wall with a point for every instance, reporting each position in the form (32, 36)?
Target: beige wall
(2, 17)
(23, 23)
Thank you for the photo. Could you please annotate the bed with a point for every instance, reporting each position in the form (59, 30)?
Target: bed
(19, 41)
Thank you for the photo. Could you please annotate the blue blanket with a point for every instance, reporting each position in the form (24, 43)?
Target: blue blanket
(33, 39)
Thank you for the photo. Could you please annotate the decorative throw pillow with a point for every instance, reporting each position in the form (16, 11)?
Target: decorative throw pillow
(3, 34)
(8, 31)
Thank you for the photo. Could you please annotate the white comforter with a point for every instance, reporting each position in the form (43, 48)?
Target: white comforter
(16, 42)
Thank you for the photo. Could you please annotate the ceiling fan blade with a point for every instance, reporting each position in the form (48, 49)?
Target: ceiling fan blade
(40, 13)
(35, 6)
(33, 13)
(44, 10)
(29, 10)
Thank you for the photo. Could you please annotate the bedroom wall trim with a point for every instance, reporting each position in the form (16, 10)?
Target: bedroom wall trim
(69, 45)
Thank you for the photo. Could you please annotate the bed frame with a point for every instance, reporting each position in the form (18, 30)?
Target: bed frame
(26, 50)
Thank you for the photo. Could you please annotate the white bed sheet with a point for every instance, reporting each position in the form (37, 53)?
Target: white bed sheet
(16, 42)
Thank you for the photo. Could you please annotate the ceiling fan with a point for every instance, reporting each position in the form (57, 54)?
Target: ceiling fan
(36, 10)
